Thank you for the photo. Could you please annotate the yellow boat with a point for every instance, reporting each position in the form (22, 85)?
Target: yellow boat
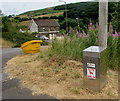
(31, 46)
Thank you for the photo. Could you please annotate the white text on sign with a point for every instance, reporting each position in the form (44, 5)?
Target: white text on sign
(91, 65)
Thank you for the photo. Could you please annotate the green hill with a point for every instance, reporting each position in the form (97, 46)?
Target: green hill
(41, 12)
(80, 9)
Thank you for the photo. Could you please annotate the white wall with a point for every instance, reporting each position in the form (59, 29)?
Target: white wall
(33, 27)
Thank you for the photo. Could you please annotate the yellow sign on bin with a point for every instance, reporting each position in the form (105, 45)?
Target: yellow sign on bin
(31, 46)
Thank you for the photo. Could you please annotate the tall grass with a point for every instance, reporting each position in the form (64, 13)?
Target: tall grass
(72, 47)
(113, 52)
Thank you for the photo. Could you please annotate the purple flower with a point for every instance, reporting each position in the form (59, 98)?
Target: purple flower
(110, 26)
(80, 35)
(87, 35)
(90, 22)
(91, 27)
(97, 25)
(115, 35)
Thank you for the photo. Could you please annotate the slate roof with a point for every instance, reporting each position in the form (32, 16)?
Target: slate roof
(46, 23)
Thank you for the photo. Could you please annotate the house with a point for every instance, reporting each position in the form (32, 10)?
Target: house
(47, 27)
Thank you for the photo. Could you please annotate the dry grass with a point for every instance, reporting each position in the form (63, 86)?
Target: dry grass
(5, 43)
(26, 23)
(46, 15)
(22, 16)
(57, 76)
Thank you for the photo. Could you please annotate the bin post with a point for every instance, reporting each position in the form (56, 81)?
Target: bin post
(95, 67)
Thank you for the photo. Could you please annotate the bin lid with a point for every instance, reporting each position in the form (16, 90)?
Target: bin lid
(97, 49)
(29, 42)
(93, 51)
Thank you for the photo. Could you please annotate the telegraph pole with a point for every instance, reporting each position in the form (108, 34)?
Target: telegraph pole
(103, 23)
(65, 14)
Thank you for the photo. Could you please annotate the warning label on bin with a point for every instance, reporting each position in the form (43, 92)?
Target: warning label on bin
(91, 73)
(91, 65)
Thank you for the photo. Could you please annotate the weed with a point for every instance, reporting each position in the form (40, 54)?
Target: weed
(109, 93)
(77, 75)
(59, 64)
(70, 70)
(56, 71)
(41, 56)
(27, 61)
(48, 70)
(64, 67)
(34, 72)
(75, 90)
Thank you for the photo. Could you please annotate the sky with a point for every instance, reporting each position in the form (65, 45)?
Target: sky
(10, 7)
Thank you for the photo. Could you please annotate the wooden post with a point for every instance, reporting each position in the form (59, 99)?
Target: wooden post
(103, 23)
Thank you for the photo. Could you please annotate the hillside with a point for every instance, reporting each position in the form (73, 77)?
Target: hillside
(82, 10)
(47, 12)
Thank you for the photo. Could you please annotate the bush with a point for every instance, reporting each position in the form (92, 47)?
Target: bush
(44, 42)
(17, 38)
(10, 32)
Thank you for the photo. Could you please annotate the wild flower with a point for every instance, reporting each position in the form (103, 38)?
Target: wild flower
(91, 27)
(97, 25)
(80, 35)
(110, 26)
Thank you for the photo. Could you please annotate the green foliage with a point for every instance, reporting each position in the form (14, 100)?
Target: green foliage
(17, 38)
(44, 42)
(21, 26)
(10, 33)
(62, 31)
(19, 19)
(115, 16)
(34, 33)
(71, 23)
(73, 47)
(113, 51)
(85, 10)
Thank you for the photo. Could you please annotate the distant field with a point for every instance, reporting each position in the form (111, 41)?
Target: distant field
(49, 15)
(25, 23)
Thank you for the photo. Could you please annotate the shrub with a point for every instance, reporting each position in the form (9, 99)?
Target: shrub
(10, 32)
(44, 42)
(17, 38)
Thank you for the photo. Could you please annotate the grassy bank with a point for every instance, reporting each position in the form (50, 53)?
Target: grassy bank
(73, 47)
(57, 76)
